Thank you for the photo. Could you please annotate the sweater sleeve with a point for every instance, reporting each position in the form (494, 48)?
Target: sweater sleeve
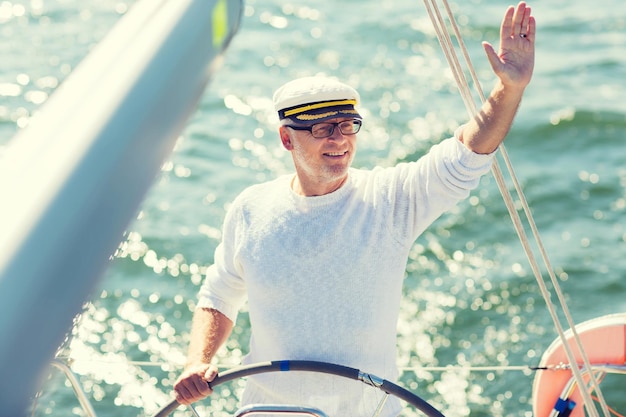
(457, 167)
(224, 288)
(434, 184)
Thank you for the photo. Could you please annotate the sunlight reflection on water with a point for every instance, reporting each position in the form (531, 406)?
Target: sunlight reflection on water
(470, 297)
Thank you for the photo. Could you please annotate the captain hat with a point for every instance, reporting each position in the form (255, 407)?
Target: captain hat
(312, 100)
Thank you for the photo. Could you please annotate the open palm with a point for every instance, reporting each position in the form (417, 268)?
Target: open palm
(514, 62)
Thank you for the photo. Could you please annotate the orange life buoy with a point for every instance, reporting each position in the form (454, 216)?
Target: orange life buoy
(604, 342)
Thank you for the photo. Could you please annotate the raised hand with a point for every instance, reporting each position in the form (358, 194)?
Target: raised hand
(513, 63)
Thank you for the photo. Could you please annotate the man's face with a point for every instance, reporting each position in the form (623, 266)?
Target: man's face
(325, 159)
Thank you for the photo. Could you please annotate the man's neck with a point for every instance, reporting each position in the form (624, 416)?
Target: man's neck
(316, 189)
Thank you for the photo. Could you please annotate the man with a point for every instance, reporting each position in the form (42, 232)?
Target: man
(320, 255)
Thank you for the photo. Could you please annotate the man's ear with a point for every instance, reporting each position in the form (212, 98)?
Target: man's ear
(285, 137)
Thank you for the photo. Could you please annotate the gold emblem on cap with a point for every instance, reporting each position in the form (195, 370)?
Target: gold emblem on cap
(322, 115)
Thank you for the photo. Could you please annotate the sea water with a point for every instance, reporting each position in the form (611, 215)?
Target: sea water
(471, 299)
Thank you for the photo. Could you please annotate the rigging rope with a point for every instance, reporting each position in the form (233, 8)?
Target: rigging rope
(459, 76)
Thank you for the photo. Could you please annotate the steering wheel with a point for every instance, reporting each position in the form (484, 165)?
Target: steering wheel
(320, 367)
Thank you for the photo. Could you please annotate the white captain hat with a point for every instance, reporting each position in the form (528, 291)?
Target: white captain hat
(312, 100)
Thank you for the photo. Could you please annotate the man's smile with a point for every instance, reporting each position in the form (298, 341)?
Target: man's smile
(336, 154)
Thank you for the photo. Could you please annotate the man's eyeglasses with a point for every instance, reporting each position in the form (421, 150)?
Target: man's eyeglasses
(324, 130)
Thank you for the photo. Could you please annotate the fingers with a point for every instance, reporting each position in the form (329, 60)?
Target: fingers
(532, 29)
(193, 385)
(520, 19)
(211, 373)
(191, 389)
(492, 56)
(506, 29)
(518, 23)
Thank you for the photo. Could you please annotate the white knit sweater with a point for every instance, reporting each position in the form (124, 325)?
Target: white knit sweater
(323, 275)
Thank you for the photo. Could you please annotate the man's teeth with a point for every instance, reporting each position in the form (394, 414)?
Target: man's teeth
(335, 153)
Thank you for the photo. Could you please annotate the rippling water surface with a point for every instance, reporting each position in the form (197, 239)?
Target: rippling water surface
(470, 296)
